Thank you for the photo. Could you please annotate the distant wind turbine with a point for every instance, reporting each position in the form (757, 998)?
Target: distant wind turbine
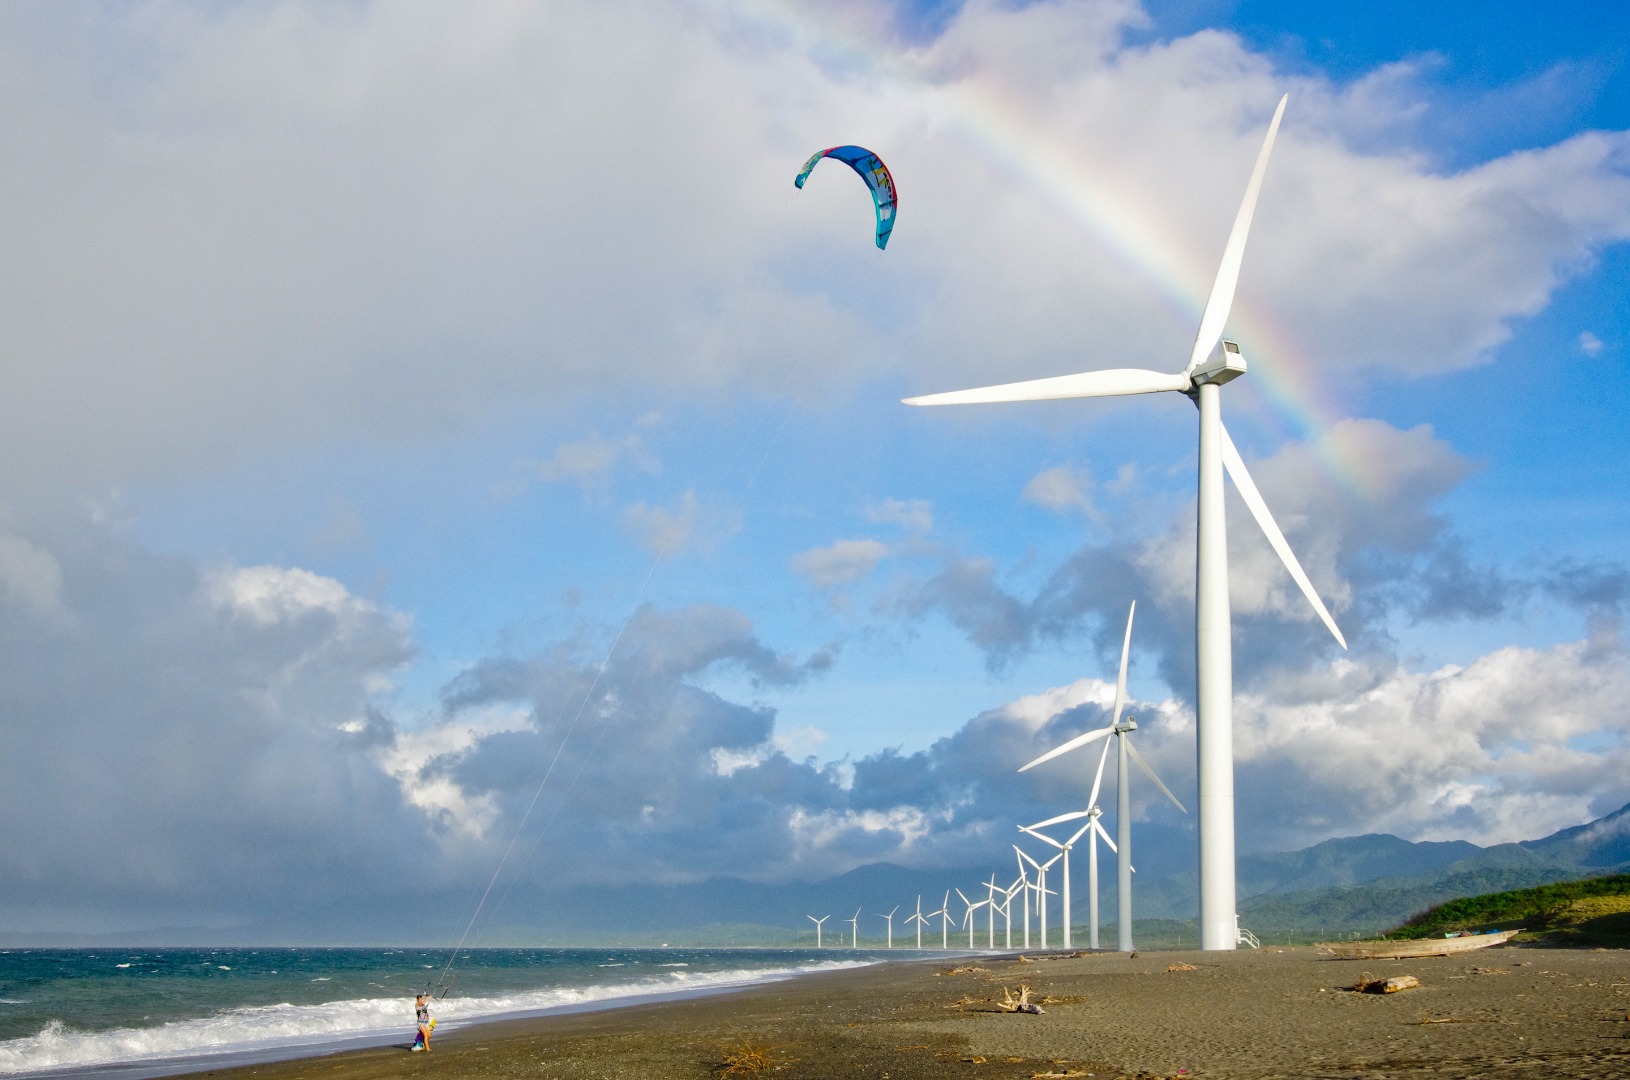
(854, 930)
(1212, 363)
(890, 918)
(919, 920)
(1064, 847)
(944, 914)
(967, 917)
(1122, 731)
(817, 923)
(1042, 891)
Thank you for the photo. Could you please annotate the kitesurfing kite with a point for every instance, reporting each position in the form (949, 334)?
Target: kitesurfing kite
(877, 177)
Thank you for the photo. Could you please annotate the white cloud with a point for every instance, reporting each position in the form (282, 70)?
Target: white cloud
(1483, 752)
(1590, 344)
(31, 576)
(916, 515)
(418, 760)
(1062, 488)
(843, 562)
(590, 461)
(689, 525)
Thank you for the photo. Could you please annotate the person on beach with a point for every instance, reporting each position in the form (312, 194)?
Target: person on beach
(421, 1013)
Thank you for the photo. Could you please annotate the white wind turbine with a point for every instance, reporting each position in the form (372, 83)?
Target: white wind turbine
(1122, 731)
(817, 923)
(1064, 847)
(1019, 887)
(944, 914)
(991, 908)
(967, 917)
(919, 920)
(1025, 887)
(1212, 363)
(854, 930)
(1042, 891)
(890, 918)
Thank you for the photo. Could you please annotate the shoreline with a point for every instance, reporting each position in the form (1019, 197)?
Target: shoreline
(1281, 1012)
(295, 1048)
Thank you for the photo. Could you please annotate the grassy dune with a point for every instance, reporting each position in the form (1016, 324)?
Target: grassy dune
(1593, 912)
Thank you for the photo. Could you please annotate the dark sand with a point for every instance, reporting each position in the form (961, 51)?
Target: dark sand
(1515, 1012)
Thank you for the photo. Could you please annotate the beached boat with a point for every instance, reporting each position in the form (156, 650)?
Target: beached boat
(1400, 950)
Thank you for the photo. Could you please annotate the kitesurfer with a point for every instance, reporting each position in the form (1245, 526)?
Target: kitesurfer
(421, 1013)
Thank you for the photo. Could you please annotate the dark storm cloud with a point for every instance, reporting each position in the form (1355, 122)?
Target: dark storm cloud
(189, 738)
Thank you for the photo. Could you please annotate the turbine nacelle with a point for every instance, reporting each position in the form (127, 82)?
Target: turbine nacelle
(1225, 364)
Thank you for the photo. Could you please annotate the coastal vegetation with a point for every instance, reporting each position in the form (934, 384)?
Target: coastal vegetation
(1591, 912)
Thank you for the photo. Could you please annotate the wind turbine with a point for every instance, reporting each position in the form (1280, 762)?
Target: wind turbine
(967, 917)
(919, 920)
(1042, 891)
(1020, 886)
(890, 918)
(1122, 731)
(1212, 363)
(945, 922)
(817, 923)
(854, 930)
(991, 908)
(1024, 880)
(1064, 850)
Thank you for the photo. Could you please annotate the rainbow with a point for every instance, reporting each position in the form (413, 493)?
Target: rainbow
(1001, 130)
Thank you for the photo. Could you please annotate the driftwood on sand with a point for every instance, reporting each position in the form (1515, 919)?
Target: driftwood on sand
(1367, 985)
(1019, 1003)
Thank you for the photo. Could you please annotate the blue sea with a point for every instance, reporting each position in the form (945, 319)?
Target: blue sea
(121, 1014)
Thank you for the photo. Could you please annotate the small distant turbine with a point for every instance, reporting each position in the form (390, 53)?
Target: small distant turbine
(919, 920)
(1213, 362)
(1019, 857)
(944, 914)
(967, 917)
(890, 918)
(854, 930)
(817, 923)
(1042, 891)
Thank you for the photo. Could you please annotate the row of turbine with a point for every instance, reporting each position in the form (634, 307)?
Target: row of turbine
(1120, 732)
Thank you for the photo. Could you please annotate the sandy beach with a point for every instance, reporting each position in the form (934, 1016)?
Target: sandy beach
(1281, 1012)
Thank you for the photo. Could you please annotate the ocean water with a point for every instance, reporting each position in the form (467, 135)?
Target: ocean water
(144, 1012)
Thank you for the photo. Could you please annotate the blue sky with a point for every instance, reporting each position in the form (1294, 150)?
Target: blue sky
(373, 366)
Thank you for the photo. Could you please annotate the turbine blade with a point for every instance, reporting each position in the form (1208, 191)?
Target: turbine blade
(1137, 759)
(1079, 740)
(1073, 815)
(1126, 650)
(1113, 382)
(1276, 539)
(1079, 833)
(1098, 780)
(1222, 289)
(1043, 837)
(1103, 833)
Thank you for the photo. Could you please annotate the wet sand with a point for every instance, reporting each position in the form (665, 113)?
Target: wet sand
(1504, 1012)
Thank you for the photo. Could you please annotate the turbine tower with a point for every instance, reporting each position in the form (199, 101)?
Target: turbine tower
(1123, 798)
(1212, 364)
(817, 923)
(854, 930)
(945, 922)
(919, 920)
